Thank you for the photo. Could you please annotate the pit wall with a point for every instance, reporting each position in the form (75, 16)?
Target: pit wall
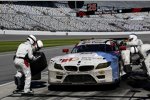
(20, 32)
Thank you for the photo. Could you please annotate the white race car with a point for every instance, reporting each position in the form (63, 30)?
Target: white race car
(94, 61)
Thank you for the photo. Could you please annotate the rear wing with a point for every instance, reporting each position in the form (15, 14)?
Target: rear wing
(119, 38)
(105, 39)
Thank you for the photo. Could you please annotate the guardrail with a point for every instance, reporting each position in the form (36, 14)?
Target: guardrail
(20, 32)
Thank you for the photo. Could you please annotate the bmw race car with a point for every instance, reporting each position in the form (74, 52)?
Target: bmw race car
(93, 61)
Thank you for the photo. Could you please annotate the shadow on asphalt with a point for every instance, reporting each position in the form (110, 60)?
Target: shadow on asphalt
(87, 88)
(85, 97)
(81, 87)
(38, 84)
(100, 87)
(138, 83)
(135, 82)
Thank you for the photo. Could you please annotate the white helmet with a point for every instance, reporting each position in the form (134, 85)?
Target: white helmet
(32, 39)
(132, 37)
(134, 50)
(39, 44)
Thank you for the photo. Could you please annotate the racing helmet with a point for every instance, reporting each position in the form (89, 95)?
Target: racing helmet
(32, 39)
(132, 37)
(134, 50)
(39, 44)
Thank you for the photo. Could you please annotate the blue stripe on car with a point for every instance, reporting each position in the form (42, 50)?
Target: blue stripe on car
(113, 58)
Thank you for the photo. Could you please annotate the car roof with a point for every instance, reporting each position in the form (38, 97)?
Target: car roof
(93, 41)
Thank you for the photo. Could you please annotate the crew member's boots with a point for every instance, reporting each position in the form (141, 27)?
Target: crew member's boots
(19, 83)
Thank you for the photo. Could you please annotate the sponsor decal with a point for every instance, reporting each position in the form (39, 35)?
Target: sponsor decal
(69, 59)
(86, 58)
(90, 58)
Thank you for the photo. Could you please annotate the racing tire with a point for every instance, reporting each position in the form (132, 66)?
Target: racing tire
(36, 77)
(39, 65)
(144, 67)
(127, 69)
(117, 83)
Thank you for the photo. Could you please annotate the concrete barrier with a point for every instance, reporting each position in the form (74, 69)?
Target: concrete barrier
(21, 32)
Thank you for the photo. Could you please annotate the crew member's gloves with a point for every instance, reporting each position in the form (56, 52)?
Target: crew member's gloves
(36, 58)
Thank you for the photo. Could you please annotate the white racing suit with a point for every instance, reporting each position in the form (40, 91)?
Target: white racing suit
(145, 51)
(125, 54)
(22, 64)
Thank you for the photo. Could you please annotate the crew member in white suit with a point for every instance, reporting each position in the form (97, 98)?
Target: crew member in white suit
(24, 53)
(145, 51)
(133, 46)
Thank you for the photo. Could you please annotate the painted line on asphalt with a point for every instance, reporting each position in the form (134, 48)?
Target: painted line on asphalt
(13, 81)
(7, 54)
(13, 53)
(7, 83)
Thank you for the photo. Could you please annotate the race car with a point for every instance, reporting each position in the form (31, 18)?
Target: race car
(93, 61)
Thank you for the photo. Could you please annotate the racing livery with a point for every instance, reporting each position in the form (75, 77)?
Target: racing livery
(94, 61)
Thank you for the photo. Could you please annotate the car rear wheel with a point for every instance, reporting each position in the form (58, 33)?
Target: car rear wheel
(127, 68)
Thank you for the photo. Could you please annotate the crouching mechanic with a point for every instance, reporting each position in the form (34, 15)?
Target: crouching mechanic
(133, 44)
(23, 55)
(145, 51)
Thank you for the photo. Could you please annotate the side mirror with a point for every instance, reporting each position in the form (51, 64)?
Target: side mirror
(65, 50)
(122, 48)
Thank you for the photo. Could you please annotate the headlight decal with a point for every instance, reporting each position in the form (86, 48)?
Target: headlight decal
(58, 66)
(103, 65)
(114, 63)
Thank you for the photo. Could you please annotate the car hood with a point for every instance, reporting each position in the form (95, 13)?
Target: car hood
(84, 58)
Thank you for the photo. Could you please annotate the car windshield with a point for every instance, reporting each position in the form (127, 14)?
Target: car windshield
(93, 48)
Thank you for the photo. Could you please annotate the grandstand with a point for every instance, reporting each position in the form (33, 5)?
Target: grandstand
(59, 17)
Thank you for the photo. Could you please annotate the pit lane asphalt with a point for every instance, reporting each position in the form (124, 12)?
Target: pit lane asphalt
(7, 67)
(128, 89)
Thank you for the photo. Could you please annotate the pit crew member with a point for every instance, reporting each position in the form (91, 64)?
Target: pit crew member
(133, 44)
(23, 54)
